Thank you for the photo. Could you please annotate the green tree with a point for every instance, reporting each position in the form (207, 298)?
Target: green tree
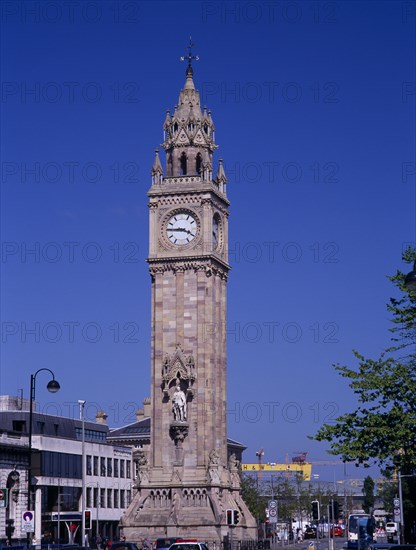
(403, 310)
(251, 496)
(383, 427)
(368, 492)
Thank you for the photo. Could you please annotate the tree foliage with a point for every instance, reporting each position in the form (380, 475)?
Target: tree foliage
(368, 492)
(403, 310)
(251, 496)
(383, 427)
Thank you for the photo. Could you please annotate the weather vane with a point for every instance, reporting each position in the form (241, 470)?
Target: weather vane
(190, 57)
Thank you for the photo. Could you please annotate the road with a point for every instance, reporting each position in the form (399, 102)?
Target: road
(310, 544)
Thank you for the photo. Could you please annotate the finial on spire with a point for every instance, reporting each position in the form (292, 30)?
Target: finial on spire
(190, 57)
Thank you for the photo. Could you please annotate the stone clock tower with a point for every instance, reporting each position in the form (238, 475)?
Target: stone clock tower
(186, 481)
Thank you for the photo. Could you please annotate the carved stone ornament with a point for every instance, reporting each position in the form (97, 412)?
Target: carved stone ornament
(209, 265)
(214, 459)
(178, 367)
(142, 468)
(214, 467)
(233, 463)
(178, 432)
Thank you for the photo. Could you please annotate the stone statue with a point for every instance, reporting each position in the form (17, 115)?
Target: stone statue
(179, 405)
(214, 458)
(233, 463)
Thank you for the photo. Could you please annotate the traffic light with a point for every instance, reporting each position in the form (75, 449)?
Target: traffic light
(236, 517)
(230, 517)
(315, 510)
(87, 519)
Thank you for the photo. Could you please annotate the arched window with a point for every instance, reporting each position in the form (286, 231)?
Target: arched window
(183, 164)
(198, 163)
(170, 165)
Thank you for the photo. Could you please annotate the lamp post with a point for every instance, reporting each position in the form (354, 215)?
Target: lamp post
(82, 418)
(401, 532)
(53, 387)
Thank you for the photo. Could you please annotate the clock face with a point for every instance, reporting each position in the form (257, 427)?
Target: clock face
(181, 228)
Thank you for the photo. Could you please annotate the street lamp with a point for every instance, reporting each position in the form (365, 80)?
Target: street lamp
(82, 418)
(401, 532)
(53, 387)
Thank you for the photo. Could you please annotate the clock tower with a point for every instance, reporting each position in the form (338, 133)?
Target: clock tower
(186, 480)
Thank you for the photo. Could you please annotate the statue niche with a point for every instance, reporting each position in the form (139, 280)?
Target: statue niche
(178, 370)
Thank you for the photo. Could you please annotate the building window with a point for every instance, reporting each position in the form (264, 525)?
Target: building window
(183, 164)
(90, 435)
(128, 495)
(41, 427)
(128, 469)
(109, 467)
(116, 467)
(198, 163)
(102, 498)
(96, 465)
(19, 426)
(121, 468)
(122, 498)
(53, 464)
(89, 497)
(109, 498)
(102, 466)
(89, 465)
(95, 497)
(116, 501)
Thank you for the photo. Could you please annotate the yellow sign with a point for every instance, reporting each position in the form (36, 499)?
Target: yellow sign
(305, 468)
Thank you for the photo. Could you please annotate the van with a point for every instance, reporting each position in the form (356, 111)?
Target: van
(391, 528)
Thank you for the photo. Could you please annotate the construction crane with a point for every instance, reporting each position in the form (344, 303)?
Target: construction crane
(260, 454)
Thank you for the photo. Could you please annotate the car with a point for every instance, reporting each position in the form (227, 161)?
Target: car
(189, 545)
(310, 533)
(122, 545)
(337, 531)
(164, 543)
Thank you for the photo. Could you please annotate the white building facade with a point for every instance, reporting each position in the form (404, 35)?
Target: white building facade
(56, 485)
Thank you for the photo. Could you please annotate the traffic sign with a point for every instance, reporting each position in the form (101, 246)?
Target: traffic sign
(3, 498)
(396, 502)
(272, 512)
(28, 521)
(272, 504)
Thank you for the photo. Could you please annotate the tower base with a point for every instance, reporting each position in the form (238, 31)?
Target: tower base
(198, 512)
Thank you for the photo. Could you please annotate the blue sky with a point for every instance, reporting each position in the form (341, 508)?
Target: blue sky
(314, 106)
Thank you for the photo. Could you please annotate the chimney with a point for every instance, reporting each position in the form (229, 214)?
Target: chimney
(101, 417)
(139, 414)
(146, 403)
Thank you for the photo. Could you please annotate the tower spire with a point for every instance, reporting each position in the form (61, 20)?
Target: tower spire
(189, 70)
(190, 57)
